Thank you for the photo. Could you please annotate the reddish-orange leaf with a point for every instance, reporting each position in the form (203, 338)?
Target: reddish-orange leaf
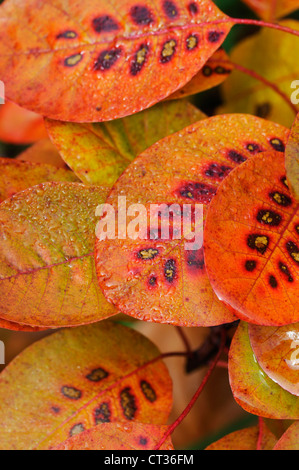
(77, 378)
(246, 439)
(292, 158)
(213, 73)
(252, 239)
(20, 126)
(8, 325)
(290, 439)
(160, 280)
(17, 176)
(270, 10)
(277, 352)
(118, 436)
(99, 60)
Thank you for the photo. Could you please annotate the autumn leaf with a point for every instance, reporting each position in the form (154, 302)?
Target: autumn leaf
(20, 126)
(292, 158)
(277, 351)
(95, 62)
(118, 436)
(252, 388)
(251, 239)
(9, 325)
(99, 152)
(270, 10)
(47, 272)
(245, 439)
(262, 53)
(17, 176)
(213, 73)
(77, 378)
(290, 439)
(160, 280)
(42, 151)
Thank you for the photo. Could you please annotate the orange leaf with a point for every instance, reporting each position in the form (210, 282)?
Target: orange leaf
(245, 439)
(159, 280)
(42, 151)
(270, 10)
(91, 62)
(251, 238)
(290, 439)
(77, 378)
(118, 436)
(20, 126)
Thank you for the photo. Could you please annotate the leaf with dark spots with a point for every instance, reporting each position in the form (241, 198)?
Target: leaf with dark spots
(119, 436)
(66, 50)
(46, 245)
(176, 171)
(42, 382)
(260, 246)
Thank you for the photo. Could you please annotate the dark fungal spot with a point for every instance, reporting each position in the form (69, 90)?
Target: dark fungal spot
(193, 8)
(263, 110)
(214, 36)
(73, 60)
(200, 192)
(71, 392)
(55, 409)
(250, 265)
(105, 23)
(106, 59)
(148, 391)
(168, 51)
(281, 199)
(277, 144)
(221, 70)
(143, 441)
(102, 414)
(139, 60)
(141, 15)
(170, 9)
(236, 156)
(128, 403)
(254, 148)
(207, 71)
(147, 253)
(268, 217)
(192, 42)
(215, 170)
(273, 281)
(258, 242)
(170, 270)
(293, 251)
(285, 270)
(152, 281)
(96, 375)
(77, 429)
(68, 34)
(195, 259)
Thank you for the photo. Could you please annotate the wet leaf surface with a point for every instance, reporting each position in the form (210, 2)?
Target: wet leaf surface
(252, 387)
(139, 53)
(252, 238)
(47, 271)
